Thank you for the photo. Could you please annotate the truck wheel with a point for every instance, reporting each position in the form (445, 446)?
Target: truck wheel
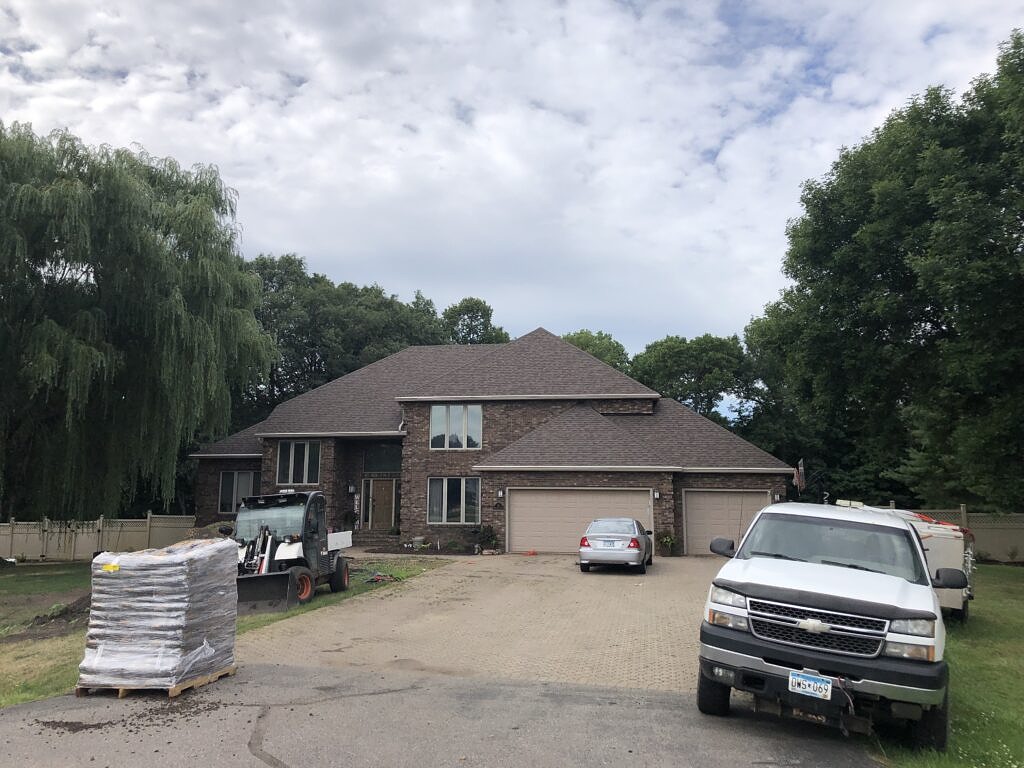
(339, 579)
(305, 584)
(932, 730)
(712, 697)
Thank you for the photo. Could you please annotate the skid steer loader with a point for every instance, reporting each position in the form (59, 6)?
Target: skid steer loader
(285, 551)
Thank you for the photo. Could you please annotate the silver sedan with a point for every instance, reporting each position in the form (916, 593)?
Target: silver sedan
(616, 541)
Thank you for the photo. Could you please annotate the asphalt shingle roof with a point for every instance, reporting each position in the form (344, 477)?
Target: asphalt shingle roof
(364, 400)
(538, 364)
(244, 443)
(672, 436)
(579, 437)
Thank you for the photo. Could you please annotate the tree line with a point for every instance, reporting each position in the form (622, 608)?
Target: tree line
(132, 328)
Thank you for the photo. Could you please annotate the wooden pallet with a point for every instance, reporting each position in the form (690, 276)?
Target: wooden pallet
(172, 692)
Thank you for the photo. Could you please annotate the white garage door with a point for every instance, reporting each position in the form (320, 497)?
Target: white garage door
(553, 520)
(710, 514)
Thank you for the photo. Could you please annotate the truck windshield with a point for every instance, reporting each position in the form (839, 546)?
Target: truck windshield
(839, 543)
(280, 520)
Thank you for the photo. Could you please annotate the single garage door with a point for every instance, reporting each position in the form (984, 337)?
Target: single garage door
(710, 514)
(552, 520)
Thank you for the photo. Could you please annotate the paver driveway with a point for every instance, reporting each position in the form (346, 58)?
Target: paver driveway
(513, 617)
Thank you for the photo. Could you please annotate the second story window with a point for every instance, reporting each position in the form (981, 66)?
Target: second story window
(456, 427)
(298, 462)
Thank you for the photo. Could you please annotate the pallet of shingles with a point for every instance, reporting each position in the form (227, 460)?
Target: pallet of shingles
(161, 619)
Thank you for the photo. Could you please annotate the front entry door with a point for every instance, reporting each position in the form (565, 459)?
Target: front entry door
(382, 504)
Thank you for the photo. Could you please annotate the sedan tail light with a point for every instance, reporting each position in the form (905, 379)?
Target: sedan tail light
(633, 544)
(584, 542)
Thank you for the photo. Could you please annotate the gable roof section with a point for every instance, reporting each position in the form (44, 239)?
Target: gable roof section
(538, 365)
(363, 402)
(241, 445)
(672, 439)
(578, 438)
(684, 437)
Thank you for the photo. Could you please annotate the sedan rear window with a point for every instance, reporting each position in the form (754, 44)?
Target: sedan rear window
(612, 526)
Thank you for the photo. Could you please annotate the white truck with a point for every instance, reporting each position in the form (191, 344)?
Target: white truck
(830, 615)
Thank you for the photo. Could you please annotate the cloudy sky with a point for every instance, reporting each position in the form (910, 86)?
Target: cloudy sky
(622, 166)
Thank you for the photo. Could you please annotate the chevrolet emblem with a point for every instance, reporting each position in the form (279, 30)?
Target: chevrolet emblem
(814, 626)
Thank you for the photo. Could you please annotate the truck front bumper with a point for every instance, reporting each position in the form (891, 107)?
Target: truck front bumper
(762, 668)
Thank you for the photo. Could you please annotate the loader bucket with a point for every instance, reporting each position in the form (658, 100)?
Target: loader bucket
(267, 593)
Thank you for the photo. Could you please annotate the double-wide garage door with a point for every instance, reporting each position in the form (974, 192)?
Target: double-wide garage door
(710, 514)
(553, 520)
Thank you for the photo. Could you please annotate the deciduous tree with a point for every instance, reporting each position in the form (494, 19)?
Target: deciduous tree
(125, 321)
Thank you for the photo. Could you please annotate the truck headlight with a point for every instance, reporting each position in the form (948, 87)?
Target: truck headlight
(919, 627)
(727, 597)
(910, 651)
(730, 620)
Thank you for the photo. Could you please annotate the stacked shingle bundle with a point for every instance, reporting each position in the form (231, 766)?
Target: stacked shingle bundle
(160, 617)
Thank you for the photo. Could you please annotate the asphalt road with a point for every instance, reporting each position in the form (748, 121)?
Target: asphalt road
(275, 715)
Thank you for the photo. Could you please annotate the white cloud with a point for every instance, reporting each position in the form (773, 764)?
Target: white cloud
(624, 166)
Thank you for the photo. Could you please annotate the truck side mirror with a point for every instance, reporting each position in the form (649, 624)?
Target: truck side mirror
(723, 547)
(950, 578)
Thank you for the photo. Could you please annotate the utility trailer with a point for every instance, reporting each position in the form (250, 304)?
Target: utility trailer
(285, 551)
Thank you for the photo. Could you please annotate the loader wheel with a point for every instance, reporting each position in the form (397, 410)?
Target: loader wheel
(305, 584)
(339, 579)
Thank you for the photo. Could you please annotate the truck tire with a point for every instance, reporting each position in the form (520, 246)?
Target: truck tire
(932, 730)
(340, 576)
(305, 583)
(712, 697)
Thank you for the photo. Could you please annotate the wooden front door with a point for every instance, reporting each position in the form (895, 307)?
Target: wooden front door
(382, 504)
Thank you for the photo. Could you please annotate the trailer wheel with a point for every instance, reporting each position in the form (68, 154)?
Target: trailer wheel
(340, 577)
(305, 584)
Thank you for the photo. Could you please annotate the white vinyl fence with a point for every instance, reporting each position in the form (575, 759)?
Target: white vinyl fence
(996, 537)
(80, 539)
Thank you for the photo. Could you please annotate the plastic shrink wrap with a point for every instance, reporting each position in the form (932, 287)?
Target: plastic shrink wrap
(160, 617)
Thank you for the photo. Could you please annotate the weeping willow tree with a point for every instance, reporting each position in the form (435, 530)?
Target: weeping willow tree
(126, 321)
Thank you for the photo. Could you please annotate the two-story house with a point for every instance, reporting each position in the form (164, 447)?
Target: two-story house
(533, 437)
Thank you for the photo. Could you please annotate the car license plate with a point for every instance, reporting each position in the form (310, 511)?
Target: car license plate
(810, 685)
(607, 544)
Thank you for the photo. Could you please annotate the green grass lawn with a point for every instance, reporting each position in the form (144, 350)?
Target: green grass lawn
(39, 668)
(986, 658)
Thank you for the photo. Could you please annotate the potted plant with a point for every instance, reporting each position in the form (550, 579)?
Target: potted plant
(666, 543)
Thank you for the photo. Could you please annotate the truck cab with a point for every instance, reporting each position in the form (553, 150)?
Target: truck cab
(830, 615)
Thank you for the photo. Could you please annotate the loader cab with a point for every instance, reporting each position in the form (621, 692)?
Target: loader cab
(314, 534)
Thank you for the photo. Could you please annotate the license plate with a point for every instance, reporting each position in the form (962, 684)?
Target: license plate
(810, 685)
(608, 544)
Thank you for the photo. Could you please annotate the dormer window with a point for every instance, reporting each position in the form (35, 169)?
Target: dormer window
(456, 427)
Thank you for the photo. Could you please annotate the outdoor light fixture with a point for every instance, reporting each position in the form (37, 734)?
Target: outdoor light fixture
(657, 495)
(501, 493)
(351, 488)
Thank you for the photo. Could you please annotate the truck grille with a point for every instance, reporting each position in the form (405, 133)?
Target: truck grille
(846, 633)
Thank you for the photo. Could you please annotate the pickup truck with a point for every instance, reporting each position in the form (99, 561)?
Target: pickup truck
(829, 614)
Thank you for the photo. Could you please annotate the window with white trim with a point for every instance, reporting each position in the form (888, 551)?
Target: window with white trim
(235, 486)
(298, 462)
(453, 500)
(456, 427)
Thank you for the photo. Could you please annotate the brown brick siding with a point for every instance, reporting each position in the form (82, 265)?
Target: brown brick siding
(503, 424)
(207, 490)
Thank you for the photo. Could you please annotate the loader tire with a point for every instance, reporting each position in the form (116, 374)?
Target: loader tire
(305, 583)
(339, 579)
